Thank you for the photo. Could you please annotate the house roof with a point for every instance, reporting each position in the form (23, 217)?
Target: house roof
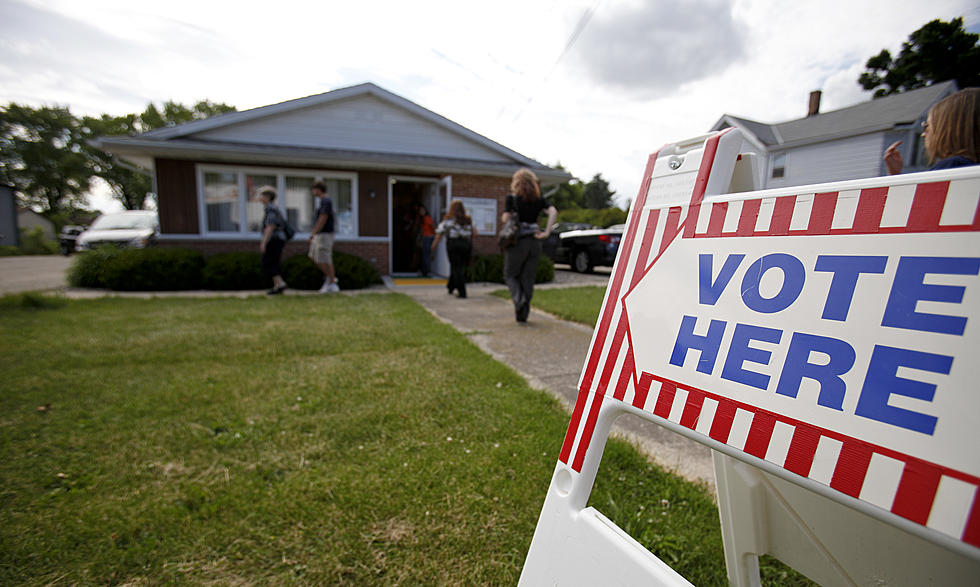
(876, 115)
(254, 136)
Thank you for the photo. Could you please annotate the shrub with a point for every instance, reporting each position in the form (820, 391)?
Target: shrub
(490, 268)
(233, 271)
(352, 272)
(603, 218)
(32, 242)
(88, 269)
(546, 270)
(154, 270)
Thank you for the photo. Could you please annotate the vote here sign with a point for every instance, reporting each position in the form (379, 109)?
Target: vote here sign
(834, 334)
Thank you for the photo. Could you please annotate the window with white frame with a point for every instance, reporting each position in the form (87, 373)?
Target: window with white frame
(230, 204)
(779, 165)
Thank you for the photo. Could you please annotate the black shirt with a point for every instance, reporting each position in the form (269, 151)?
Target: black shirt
(527, 210)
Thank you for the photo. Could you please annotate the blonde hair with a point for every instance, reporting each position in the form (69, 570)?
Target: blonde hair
(525, 184)
(954, 126)
(267, 190)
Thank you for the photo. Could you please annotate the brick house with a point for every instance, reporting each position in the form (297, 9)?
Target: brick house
(379, 154)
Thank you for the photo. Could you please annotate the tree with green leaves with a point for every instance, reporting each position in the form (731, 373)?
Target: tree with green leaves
(43, 155)
(568, 195)
(937, 52)
(130, 184)
(597, 194)
(173, 114)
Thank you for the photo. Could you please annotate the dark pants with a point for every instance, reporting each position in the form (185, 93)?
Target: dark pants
(520, 268)
(427, 255)
(458, 250)
(272, 257)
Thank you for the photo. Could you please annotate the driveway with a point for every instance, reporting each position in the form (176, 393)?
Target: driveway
(33, 273)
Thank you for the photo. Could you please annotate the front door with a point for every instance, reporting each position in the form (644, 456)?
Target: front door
(408, 195)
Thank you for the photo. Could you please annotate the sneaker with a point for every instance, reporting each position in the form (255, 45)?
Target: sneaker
(333, 287)
(325, 288)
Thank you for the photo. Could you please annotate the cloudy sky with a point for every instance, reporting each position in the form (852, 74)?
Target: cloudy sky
(595, 85)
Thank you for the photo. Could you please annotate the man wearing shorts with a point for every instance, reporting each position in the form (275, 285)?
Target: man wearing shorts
(321, 238)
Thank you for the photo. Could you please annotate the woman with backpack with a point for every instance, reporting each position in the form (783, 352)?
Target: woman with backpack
(458, 229)
(273, 240)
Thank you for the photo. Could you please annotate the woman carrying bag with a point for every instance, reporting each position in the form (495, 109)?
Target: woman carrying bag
(521, 258)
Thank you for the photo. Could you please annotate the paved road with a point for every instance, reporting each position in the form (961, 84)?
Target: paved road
(33, 273)
(548, 352)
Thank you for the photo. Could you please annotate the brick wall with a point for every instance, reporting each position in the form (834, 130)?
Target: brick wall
(483, 186)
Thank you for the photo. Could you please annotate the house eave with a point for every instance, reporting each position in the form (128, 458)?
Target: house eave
(143, 152)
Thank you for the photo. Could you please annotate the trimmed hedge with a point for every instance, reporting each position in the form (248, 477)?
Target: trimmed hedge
(155, 270)
(352, 272)
(234, 271)
(490, 268)
(137, 269)
(88, 269)
(166, 269)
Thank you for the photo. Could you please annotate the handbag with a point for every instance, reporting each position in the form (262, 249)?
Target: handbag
(507, 237)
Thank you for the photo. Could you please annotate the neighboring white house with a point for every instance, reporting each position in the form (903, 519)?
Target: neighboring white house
(28, 219)
(842, 144)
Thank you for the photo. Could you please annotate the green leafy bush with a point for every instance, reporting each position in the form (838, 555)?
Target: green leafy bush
(88, 269)
(234, 271)
(603, 218)
(352, 272)
(490, 268)
(32, 242)
(155, 269)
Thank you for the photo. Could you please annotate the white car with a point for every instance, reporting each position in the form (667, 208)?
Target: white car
(132, 228)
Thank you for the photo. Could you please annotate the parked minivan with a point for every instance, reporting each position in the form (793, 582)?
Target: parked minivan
(129, 229)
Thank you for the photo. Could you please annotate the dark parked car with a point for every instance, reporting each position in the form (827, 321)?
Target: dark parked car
(67, 237)
(584, 248)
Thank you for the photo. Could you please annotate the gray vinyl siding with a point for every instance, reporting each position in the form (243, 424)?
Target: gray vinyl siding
(363, 123)
(851, 158)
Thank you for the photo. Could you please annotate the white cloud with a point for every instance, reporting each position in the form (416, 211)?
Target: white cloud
(638, 76)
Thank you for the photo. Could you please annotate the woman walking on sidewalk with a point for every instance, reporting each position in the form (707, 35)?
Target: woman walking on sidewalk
(521, 260)
(458, 229)
(273, 240)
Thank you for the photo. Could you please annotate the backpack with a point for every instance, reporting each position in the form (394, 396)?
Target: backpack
(288, 229)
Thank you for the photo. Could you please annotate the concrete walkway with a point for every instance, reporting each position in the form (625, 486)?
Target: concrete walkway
(548, 352)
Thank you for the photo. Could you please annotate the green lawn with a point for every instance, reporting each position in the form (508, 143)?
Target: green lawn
(578, 304)
(292, 441)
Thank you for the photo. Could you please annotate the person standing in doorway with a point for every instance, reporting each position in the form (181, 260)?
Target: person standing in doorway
(427, 227)
(458, 229)
(273, 240)
(521, 260)
(321, 237)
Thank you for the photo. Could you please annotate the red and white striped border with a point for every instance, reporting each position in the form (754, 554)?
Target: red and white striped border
(930, 495)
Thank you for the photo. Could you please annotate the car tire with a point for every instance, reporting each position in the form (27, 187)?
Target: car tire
(582, 262)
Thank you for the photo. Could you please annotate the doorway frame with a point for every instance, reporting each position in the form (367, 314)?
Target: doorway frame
(440, 263)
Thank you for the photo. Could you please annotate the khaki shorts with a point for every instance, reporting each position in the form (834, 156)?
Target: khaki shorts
(321, 248)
